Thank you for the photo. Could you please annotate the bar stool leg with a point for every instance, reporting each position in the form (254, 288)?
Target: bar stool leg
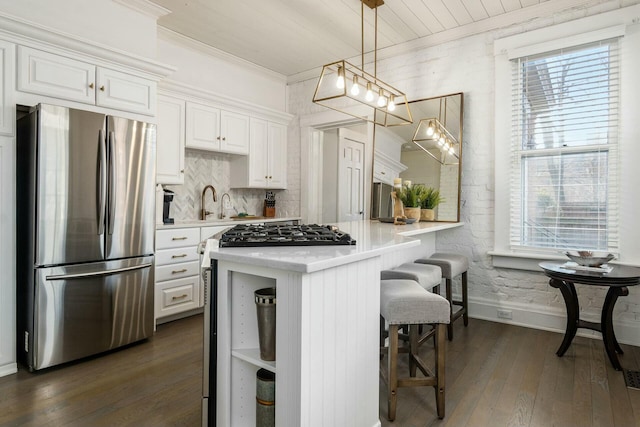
(413, 349)
(392, 386)
(440, 355)
(465, 313)
(450, 299)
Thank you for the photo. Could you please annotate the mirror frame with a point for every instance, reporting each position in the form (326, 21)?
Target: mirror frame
(416, 121)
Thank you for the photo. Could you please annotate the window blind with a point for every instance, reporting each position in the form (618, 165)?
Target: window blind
(564, 164)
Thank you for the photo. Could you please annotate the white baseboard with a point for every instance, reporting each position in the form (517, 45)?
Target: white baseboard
(8, 369)
(548, 319)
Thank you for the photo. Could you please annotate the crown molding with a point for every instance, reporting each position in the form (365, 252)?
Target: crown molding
(145, 7)
(184, 41)
(27, 33)
(197, 94)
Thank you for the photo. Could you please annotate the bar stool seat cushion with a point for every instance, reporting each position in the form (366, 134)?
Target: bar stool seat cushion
(451, 264)
(428, 276)
(406, 302)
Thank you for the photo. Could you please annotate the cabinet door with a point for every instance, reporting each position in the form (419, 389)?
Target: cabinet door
(203, 131)
(170, 140)
(7, 54)
(258, 174)
(125, 92)
(56, 76)
(234, 132)
(277, 156)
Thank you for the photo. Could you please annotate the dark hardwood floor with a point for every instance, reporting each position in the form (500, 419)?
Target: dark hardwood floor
(156, 382)
(497, 375)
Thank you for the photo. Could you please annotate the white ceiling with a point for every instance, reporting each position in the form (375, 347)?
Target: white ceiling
(296, 36)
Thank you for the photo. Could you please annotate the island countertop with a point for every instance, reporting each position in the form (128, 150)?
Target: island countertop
(372, 237)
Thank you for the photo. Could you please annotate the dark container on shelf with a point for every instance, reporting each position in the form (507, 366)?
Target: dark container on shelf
(265, 398)
(266, 309)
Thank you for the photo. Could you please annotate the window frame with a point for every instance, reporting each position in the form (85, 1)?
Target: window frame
(527, 157)
(613, 24)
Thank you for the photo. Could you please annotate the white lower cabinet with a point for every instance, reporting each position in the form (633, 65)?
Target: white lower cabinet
(177, 272)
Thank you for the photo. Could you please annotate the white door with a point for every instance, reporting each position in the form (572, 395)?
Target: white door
(350, 175)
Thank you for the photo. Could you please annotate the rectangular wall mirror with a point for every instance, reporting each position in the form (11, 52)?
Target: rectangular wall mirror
(428, 152)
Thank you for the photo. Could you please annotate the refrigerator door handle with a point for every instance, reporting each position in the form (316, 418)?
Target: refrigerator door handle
(102, 197)
(98, 273)
(112, 183)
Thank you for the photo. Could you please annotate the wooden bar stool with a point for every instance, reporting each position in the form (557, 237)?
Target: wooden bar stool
(405, 302)
(452, 265)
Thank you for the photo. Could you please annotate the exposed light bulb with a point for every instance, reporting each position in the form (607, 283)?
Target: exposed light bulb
(369, 95)
(340, 81)
(441, 140)
(451, 150)
(382, 100)
(391, 105)
(436, 135)
(430, 129)
(355, 89)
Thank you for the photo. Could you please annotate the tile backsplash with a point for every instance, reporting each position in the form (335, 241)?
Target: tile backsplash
(205, 168)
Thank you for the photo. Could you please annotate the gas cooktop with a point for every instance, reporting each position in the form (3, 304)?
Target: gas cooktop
(284, 235)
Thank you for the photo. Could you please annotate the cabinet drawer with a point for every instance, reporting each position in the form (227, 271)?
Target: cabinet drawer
(176, 296)
(176, 255)
(176, 271)
(177, 237)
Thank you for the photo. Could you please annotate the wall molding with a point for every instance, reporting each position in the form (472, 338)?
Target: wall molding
(145, 7)
(550, 319)
(8, 369)
(196, 94)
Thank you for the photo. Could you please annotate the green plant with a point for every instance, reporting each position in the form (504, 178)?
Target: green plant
(430, 198)
(410, 195)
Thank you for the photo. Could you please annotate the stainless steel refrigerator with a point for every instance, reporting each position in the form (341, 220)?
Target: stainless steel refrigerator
(86, 226)
(381, 201)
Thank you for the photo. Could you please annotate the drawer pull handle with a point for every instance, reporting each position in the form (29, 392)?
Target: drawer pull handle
(179, 297)
(179, 238)
(178, 271)
(179, 256)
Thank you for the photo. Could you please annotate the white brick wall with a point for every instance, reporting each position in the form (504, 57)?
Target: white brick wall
(468, 66)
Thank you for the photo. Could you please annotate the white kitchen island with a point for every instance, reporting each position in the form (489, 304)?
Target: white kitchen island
(327, 337)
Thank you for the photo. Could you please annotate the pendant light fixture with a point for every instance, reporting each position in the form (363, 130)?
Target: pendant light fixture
(346, 88)
(432, 132)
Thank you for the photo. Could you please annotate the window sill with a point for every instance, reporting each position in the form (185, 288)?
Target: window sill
(522, 261)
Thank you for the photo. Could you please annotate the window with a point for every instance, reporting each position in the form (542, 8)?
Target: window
(564, 157)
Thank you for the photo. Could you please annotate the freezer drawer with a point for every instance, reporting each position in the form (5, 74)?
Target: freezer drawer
(81, 310)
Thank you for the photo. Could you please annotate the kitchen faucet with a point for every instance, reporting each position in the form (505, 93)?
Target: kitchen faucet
(222, 215)
(203, 211)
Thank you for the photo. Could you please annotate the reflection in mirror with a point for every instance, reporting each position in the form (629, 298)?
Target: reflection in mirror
(427, 152)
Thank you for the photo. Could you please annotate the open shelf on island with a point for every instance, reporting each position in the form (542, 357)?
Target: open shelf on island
(252, 355)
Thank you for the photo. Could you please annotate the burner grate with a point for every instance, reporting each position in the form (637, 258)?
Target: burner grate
(284, 235)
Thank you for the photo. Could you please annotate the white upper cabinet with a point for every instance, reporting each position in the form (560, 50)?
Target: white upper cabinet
(170, 140)
(265, 166)
(213, 129)
(58, 76)
(277, 156)
(123, 91)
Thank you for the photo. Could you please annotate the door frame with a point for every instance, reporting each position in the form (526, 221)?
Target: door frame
(310, 182)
